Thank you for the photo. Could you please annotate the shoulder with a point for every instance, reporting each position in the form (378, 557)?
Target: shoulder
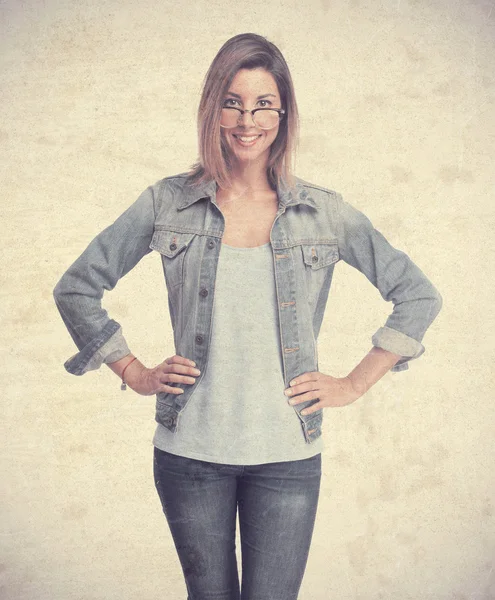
(173, 189)
(177, 181)
(312, 186)
(343, 213)
(322, 197)
(317, 191)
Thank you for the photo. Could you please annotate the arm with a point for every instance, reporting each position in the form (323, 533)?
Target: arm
(416, 304)
(108, 258)
(416, 301)
(371, 369)
(340, 391)
(78, 294)
(142, 380)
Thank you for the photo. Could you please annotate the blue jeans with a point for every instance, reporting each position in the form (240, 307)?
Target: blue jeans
(277, 508)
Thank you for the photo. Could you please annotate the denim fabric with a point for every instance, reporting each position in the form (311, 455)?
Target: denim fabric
(277, 505)
(314, 228)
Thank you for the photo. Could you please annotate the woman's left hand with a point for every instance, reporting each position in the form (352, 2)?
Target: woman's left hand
(331, 391)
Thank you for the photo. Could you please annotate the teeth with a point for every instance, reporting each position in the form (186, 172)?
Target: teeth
(246, 139)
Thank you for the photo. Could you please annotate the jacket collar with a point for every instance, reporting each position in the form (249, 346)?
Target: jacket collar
(288, 195)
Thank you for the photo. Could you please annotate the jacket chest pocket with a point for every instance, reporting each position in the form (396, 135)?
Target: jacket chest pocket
(319, 255)
(173, 247)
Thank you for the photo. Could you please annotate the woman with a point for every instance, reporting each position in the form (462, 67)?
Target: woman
(248, 253)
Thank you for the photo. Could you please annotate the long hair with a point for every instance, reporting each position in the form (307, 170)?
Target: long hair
(244, 51)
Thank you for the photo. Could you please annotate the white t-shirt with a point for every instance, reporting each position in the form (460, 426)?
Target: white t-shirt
(238, 413)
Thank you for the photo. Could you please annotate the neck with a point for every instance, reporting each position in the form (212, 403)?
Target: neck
(250, 176)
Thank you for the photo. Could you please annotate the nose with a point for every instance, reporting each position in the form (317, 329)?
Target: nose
(246, 119)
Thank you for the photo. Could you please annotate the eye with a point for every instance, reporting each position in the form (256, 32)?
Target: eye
(264, 103)
(230, 102)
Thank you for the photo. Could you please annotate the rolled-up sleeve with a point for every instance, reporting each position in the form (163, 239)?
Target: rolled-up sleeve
(416, 301)
(79, 292)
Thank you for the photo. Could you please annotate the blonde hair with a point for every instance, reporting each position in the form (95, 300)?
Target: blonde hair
(244, 51)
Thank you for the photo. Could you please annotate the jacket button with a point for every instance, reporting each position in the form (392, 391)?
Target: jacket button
(199, 339)
(203, 292)
(211, 244)
(173, 246)
(314, 259)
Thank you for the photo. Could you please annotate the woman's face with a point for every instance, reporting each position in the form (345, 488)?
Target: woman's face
(251, 88)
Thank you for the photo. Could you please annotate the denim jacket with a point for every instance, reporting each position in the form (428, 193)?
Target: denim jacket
(313, 229)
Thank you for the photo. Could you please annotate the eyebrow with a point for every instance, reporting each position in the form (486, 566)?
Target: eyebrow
(258, 98)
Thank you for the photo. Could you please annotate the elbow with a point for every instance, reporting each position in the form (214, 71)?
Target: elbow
(437, 302)
(429, 306)
(58, 292)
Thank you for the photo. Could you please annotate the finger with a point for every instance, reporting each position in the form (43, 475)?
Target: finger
(181, 360)
(170, 390)
(312, 395)
(300, 388)
(305, 377)
(173, 378)
(312, 409)
(183, 370)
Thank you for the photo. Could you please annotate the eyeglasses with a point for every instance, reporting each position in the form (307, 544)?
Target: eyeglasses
(264, 118)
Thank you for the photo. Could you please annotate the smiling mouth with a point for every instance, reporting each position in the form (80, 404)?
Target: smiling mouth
(246, 140)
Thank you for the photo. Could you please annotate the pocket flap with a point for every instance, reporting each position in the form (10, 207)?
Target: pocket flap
(170, 243)
(320, 255)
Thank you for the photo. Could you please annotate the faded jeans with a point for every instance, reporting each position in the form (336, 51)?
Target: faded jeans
(277, 507)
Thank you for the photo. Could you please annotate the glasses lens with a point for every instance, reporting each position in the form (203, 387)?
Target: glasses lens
(266, 118)
(229, 117)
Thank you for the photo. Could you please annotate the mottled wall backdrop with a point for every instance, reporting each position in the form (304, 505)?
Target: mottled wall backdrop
(98, 101)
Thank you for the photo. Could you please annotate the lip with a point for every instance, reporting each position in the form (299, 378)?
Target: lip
(253, 138)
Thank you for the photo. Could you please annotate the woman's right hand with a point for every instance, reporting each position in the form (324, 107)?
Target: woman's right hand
(175, 369)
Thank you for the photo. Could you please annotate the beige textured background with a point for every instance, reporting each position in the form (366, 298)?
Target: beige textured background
(397, 104)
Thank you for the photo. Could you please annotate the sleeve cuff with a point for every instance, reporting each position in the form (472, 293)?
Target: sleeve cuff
(398, 343)
(109, 346)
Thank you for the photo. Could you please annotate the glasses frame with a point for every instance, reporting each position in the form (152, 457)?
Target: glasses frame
(281, 113)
